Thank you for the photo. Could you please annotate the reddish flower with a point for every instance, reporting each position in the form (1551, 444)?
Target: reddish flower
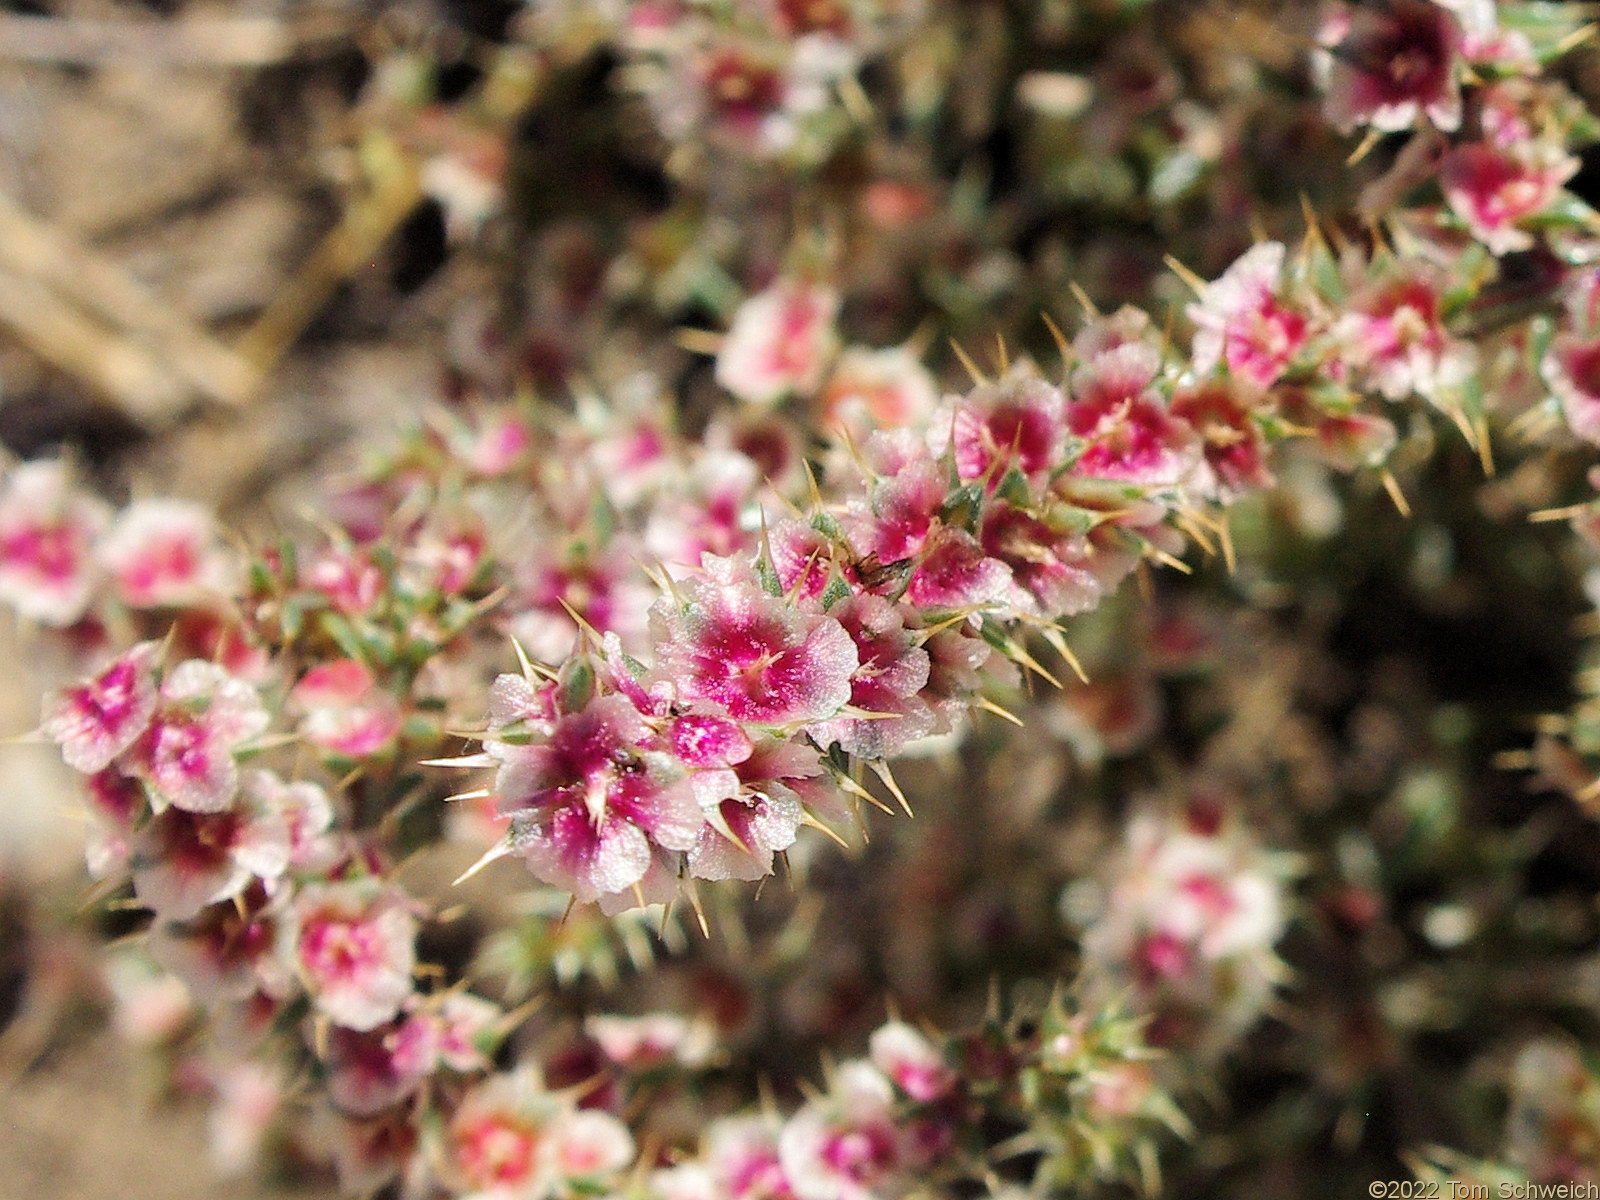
(781, 342)
(1393, 331)
(760, 815)
(1018, 423)
(352, 944)
(742, 89)
(1572, 371)
(1127, 431)
(1242, 320)
(115, 802)
(846, 1145)
(183, 861)
(713, 511)
(961, 664)
(1234, 451)
(228, 952)
(47, 532)
(97, 720)
(187, 753)
(493, 442)
(1387, 64)
(893, 670)
(1494, 190)
(371, 1070)
(590, 804)
(741, 1154)
(1052, 571)
(709, 747)
(944, 567)
(347, 713)
(164, 554)
(602, 585)
(728, 643)
(803, 558)
(914, 1064)
(348, 578)
(1352, 441)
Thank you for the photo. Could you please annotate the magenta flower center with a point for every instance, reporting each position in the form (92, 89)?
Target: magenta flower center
(51, 550)
(174, 560)
(497, 1150)
(1162, 956)
(860, 1154)
(338, 948)
(742, 91)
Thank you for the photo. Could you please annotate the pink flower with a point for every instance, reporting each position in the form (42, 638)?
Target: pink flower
(780, 342)
(900, 522)
(371, 1070)
(1019, 423)
(512, 1140)
(585, 1148)
(893, 670)
(709, 747)
(1192, 916)
(1393, 331)
(152, 1006)
(1231, 443)
(97, 720)
(1052, 570)
(1243, 322)
(495, 1139)
(228, 951)
(348, 578)
(352, 944)
(307, 815)
(187, 753)
(47, 532)
(960, 665)
(1493, 190)
(713, 511)
(803, 558)
(455, 1030)
(759, 816)
(1386, 64)
(115, 802)
(876, 389)
(183, 861)
(847, 1144)
(602, 584)
(1127, 432)
(164, 554)
(912, 1062)
(742, 1155)
(1571, 369)
(1351, 441)
(367, 1153)
(467, 1033)
(641, 1043)
(347, 713)
(727, 642)
(492, 442)
(591, 803)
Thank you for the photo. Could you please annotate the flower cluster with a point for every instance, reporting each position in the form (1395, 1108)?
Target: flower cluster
(738, 590)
